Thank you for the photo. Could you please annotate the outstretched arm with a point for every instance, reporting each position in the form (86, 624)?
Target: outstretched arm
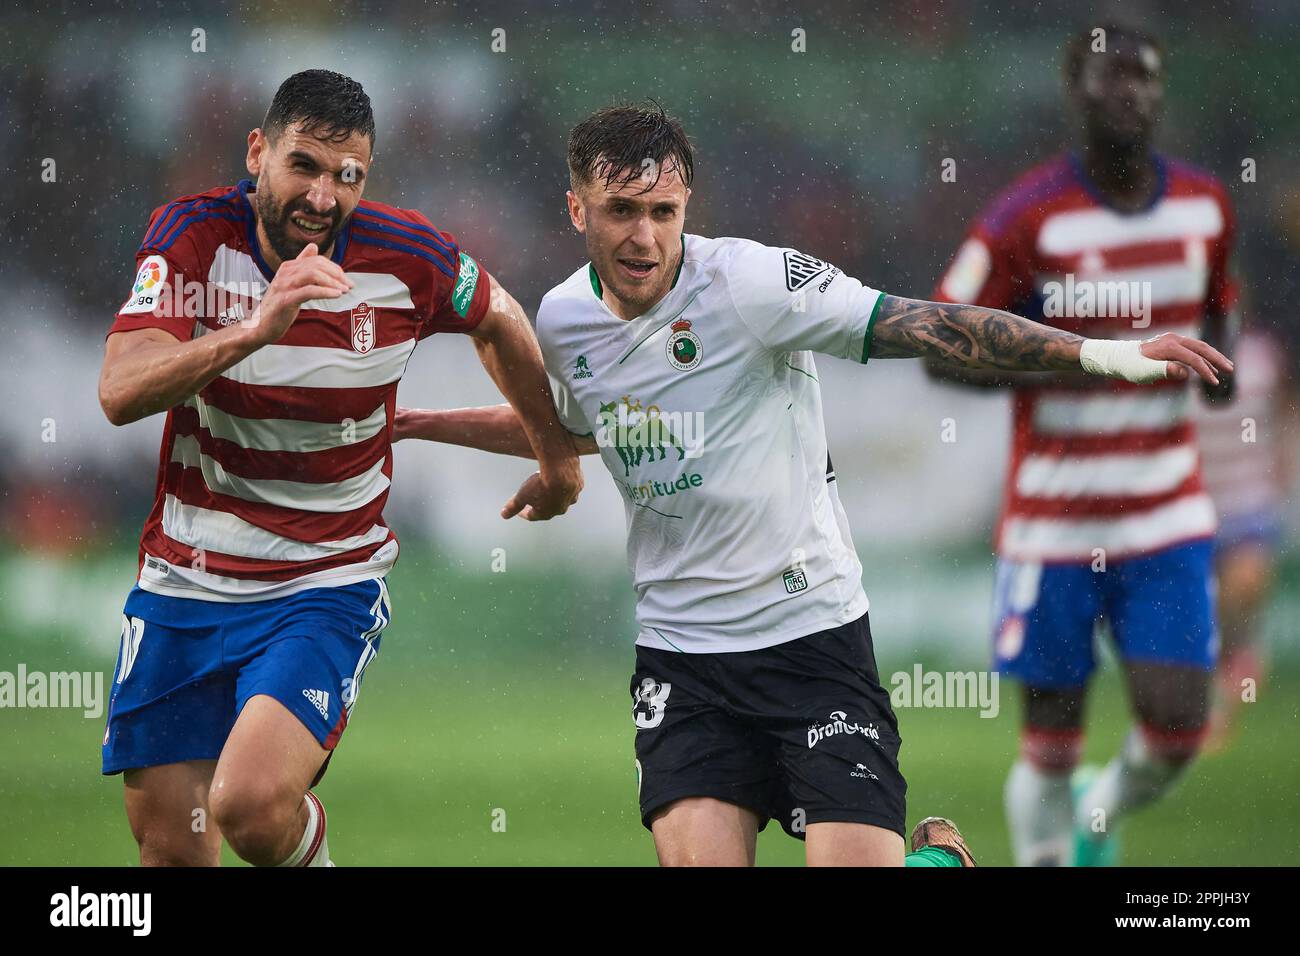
(509, 352)
(992, 378)
(494, 428)
(971, 336)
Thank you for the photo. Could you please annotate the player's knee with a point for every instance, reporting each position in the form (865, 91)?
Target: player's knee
(1173, 708)
(1174, 746)
(171, 835)
(1051, 750)
(174, 845)
(194, 852)
(1174, 729)
(254, 817)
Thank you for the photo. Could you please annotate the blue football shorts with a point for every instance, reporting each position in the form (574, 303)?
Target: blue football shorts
(1160, 608)
(186, 667)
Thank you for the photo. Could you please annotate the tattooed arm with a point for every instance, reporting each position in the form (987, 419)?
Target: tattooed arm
(973, 337)
(992, 378)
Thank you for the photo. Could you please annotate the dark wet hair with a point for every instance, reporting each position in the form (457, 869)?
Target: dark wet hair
(327, 104)
(614, 144)
(1079, 46)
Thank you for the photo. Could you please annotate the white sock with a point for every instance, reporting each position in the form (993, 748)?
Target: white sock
(313, 849)
(1132, 780)
(1039, 815)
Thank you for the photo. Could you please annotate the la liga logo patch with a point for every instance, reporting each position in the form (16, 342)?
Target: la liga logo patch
(684, 347)
(147, 290)
(150, 275)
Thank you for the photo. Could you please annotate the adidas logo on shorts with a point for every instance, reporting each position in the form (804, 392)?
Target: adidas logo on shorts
(321, 700)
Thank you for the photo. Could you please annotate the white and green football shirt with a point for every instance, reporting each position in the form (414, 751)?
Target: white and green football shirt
(708, 415)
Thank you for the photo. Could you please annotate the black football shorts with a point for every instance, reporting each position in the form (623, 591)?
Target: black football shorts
(801, 732)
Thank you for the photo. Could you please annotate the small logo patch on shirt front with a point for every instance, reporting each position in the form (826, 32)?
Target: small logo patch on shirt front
(684, 347)
(363, 328)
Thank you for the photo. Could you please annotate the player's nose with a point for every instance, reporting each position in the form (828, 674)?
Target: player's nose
(643, 233)
(321, 195)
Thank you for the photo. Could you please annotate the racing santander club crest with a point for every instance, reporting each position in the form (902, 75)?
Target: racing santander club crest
(684, 348)
(363, 328)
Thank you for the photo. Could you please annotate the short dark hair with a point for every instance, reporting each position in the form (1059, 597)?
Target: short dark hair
(327, 104)
(1080, 45)
(614, 143)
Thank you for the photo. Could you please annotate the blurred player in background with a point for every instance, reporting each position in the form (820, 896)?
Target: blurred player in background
(686, 363)
(1246, 452)
(1104, 515)
(272, 322)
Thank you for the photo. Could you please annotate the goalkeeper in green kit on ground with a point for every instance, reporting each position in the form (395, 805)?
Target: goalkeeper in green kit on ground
(686, 363)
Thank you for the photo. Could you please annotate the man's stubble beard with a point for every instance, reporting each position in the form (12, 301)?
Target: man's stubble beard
(274, 220)
(650, 298)
(647, 300)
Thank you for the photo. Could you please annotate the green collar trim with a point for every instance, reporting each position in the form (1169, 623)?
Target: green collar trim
(599, 291)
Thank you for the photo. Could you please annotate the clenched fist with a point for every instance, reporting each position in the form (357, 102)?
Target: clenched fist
(548, 493)
(310, 276)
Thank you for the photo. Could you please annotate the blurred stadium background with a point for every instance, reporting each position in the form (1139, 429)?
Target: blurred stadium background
(509, 690)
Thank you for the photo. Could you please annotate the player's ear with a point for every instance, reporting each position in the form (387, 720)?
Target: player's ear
(576, 213)
(256, 147)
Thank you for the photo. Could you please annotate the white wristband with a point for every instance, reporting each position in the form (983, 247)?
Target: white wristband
(1120, 359)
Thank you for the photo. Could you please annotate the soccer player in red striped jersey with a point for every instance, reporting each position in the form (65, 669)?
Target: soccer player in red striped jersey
(272, 322)
(1104, 514)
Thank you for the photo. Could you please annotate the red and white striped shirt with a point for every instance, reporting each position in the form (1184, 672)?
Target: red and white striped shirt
(1242, 451)
(1113, 466)
(273, 478)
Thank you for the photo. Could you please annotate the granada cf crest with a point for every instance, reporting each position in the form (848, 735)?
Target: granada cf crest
(363, 328)
(684, 348)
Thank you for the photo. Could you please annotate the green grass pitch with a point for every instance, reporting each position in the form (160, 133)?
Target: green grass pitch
(433, 758)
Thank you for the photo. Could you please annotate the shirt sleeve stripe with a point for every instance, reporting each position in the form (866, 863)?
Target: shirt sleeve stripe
(184, 224)
(871, 327)
(360, 234)
(179, 208)
(361, 219)
(432, 234)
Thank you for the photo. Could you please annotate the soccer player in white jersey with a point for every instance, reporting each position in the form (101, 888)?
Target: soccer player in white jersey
(271, 322)
(686, 363)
